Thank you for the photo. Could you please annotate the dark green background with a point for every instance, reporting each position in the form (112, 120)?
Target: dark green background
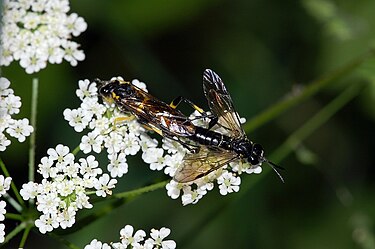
(262, 50)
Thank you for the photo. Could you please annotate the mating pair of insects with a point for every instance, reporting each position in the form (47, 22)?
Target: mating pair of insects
(208, 150)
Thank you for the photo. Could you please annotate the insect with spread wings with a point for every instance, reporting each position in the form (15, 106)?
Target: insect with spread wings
(219, 149)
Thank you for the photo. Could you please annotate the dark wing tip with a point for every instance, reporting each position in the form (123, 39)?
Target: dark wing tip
(210, 76)
(212, 80)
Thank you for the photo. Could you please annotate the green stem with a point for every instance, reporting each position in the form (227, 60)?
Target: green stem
(316, 121)
(12, 185)
(137, 192)
(13, 202)
(64, 241)
(76, 150)
(308, 91)
(14, 216)
(34, 105)
(24, 236)
(117, 200)
(304, 131)
(15, 231)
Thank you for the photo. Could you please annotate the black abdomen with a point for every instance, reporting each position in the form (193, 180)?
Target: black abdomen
(206, 137)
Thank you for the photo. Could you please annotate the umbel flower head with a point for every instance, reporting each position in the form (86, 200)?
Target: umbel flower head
(39, 31)
(131, 239)
(119, 140)
(65, 187)
(9, 105)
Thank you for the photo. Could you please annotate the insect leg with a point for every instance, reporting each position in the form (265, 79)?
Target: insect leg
(193, 148)
(150, 127)
(123, 119)
(178, 101)
(213, 122)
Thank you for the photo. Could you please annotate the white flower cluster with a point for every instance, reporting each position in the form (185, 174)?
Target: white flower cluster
(4, 187)
(65, 187)
(129, 137)
(9, 105)
(39, 31)
(137, 240)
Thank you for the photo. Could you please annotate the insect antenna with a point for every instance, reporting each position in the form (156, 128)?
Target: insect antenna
(275, 168)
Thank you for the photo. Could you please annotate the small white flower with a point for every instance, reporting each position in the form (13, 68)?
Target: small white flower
(91, 141)
(147, 142)
(76, 118)
(154, 156)
(100, 124)
(4, 142)
(256, 169)
(127, 237)
(29, 190)
(117, 166)
(157, 237)
(20, 129)
(72, 53)
(228, 183)
(86, 89)
(33, 61)
(61, 155)
(67, 218)
(48, 203)
(89, 167)
(45, 167)
(65, 188)
(131, 144)
(139, 84)
(173, 189)
(173, 162)
(190, 196)
(114, 143)
(91, 107)
(2, 210)
(4, 85)
(95, 244)
(76, 24)
(82, 201)
(104, 185)
(4, 184)
(2, 233)
(11, 103)
(47, 222)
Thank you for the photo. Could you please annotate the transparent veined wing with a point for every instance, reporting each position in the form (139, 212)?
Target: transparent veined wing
(221, 104)
(198, 165)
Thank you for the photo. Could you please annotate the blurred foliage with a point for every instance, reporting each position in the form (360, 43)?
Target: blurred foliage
(264, 51)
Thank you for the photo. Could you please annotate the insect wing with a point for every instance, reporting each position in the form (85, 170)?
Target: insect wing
(221, 104)
(198, 165)
(154, 113)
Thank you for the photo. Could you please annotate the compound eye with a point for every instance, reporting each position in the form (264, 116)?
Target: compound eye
(258, 150)
(253, 160)
(107, 89)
